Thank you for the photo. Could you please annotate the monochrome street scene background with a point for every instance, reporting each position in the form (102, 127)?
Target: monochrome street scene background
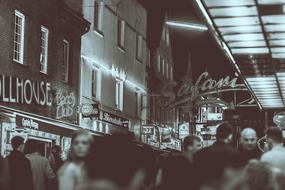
(142, 94)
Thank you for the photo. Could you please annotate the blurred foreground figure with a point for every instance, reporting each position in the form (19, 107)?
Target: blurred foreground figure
(19, 166)
(211, 162)
(276, 155)
(72, 175)
(43, 176)
(117, 163)
(248, 148)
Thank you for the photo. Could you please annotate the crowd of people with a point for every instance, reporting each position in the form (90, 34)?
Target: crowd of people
(116, 162)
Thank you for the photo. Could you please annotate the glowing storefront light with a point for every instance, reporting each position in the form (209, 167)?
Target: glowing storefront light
(228, 3)
(233, 11)
(275, 28)
(190, 26)
(244, 37)
(273, 19)
(250, 50)
(270, 2)
(240, 29)
(237, 21)
(247, 44)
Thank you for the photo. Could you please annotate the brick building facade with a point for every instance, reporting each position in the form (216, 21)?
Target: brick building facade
(39, 64)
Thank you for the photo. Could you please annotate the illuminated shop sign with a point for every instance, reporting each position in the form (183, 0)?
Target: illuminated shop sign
(204, 86)
(24, 91)
(113, 119)
(65, 104)
(27, 123)
(148, 130)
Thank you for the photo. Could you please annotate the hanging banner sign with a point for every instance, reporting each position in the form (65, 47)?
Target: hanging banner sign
(113, 119)
(24, 91)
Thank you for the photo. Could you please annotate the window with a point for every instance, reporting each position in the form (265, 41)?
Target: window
(44, 49)
(138, 104)
(139, 47)
(163, 66)
(171, 73)
(19, 30)
(65, 62)
(158, 62)
(98, 15)
(95, 83)
(167, 38)
(119, 94)
(167, 71)
(121, 33)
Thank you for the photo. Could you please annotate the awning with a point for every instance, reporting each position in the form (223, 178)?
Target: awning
(252, 34)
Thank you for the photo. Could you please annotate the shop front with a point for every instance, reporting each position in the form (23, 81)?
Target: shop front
(39, 110)
(104, 121)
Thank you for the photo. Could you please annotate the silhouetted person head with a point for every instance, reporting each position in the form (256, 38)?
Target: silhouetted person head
(274, 136)
(248, 139)
(18, 143)
(81, 141)
(56, 150)
(116, 162)
(225, 133)
(191, 145)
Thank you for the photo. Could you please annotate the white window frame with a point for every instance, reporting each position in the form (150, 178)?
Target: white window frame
(98, 16)
(44, 50)
(65, 42)
(139, 42)
(98, 83)
(119, 96)
(21, 42)
(121, 33)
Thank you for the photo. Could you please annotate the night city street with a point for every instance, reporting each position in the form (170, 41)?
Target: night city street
(142, 94)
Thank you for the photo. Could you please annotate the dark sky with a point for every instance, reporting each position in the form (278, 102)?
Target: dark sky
(205, 54)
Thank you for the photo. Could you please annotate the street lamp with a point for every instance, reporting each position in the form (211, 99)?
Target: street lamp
(188, 26)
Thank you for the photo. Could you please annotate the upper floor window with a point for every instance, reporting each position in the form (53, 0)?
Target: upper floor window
(95, 83)
(44, 49)
(119, 94)
(19, 37)
(98, 15)
(167, 71)
(139, 47)
(162, 62)
(138, 104)
(121, 33)
(65, 60)
(171, 73)
(167, 37)
(158, 62)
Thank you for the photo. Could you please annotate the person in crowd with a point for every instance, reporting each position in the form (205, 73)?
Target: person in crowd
(55, 158)
(191, 145)
(117, 163)
(259, 176)
(4, 174)
(43, 176)
(248, 145)
(275, 156)
(211, 162)
(72, 175)
(19, 166)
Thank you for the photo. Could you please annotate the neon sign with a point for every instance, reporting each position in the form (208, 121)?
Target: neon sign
(203, 86)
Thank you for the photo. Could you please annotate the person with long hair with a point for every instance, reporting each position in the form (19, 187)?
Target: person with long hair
(72, 174)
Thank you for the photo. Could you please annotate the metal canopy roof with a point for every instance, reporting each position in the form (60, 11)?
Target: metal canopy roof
(252, 34)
